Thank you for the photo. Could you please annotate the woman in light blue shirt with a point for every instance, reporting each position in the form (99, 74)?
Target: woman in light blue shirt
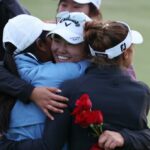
(31, 52)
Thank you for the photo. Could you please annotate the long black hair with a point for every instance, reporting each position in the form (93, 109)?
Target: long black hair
(6, 101)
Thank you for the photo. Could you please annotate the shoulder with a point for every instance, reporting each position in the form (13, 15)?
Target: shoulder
(78, 65)
(74, 69)
(144, 87)
(25, 58)
(72, 86)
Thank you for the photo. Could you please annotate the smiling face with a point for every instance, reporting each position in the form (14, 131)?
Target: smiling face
(71, 6)
(66, 52)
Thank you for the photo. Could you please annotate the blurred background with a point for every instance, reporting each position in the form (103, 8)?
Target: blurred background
(135, 12)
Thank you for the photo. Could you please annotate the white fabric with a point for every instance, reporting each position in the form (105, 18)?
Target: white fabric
(133, 37)
(23, 30)
(96, 3)
(70, 26)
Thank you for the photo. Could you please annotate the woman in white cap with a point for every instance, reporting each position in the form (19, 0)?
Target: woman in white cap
(31, 52)
(90, 7)
(124, 102)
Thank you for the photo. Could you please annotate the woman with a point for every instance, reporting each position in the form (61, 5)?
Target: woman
(123, 101)
(111, 90)
(89, 7)
(11, 85)
(31, 51)
(43, 96)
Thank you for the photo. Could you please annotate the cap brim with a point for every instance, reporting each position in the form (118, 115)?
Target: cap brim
(69, 36)
(82, 1)
(137, 38)
(49, 26)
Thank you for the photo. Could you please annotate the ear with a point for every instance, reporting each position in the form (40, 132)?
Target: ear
(126, 54)
(41, 45)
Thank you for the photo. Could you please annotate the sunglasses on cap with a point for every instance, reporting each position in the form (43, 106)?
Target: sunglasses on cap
(78, 17)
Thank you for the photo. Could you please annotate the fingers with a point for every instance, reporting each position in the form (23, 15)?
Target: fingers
(48, 114)
(57, 97)
(57, 104)
(55, 90)
(54, 109)
(102, 140)
(109, 140)
(48, 99)
(109, 143)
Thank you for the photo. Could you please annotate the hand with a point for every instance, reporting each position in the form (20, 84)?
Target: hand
(109, 140)
(47, 99)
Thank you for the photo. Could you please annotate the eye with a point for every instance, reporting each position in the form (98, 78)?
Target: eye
(63, 4)
(77, 6)
(56, 40)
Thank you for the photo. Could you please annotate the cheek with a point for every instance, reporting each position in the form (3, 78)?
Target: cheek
(85, 9)
(60, 9)
(78, 51)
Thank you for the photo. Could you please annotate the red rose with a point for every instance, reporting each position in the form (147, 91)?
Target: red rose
(82, 118)
(86, 117)
(97, 117)
(96, 147)
(83, 103)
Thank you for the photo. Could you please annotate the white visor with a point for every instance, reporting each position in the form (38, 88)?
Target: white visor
(96, 3)
(133, 37)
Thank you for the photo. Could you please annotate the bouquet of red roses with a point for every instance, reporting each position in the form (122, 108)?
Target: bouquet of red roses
(86, 117)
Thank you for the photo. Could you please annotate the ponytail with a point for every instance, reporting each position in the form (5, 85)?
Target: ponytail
(6, 101)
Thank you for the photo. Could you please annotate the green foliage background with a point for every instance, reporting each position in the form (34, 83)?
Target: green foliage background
(135, 12)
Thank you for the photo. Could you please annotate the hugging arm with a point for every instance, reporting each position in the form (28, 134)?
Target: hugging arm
(136, 140)
(56, 132)
(54, 136)
(125, 139)
(14, 86)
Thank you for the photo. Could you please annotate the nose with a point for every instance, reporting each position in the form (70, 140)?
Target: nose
(62, 48)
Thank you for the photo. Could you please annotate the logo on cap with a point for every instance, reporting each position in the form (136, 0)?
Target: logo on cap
(77, 24)
(75, 38)
(67, 24)
(123, 47)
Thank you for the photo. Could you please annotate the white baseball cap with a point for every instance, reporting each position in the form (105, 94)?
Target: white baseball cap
(96, 3)
(71, 26)
(133, 37)
(23, 30)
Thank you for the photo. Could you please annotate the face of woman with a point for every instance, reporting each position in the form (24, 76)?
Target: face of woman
(65, 52)
(71, 6)
(44, 50)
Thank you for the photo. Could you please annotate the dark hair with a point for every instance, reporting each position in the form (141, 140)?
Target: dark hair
(95, 13)
(4, 16)
(102, 36)
(6, 101)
